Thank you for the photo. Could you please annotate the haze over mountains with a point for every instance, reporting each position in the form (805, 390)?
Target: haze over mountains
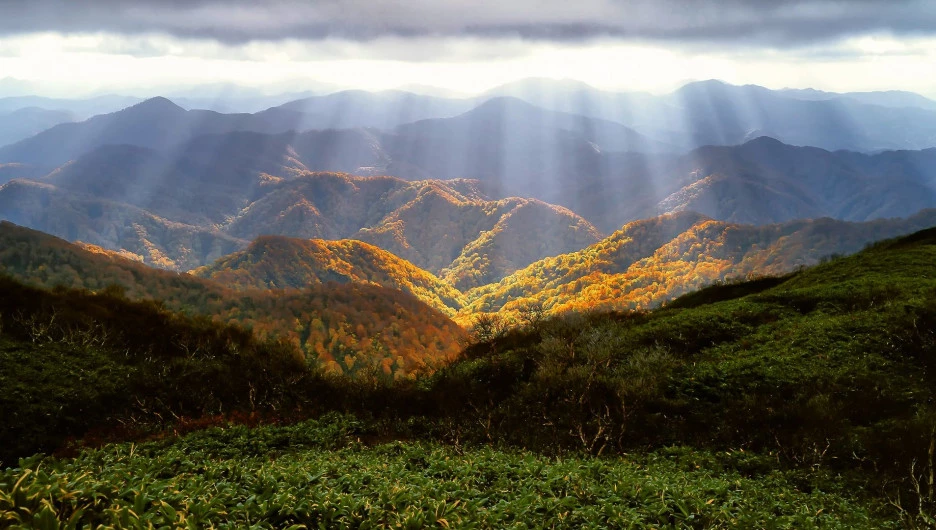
(458, 201)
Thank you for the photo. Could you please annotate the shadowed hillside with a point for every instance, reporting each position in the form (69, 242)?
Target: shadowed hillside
(118, 226)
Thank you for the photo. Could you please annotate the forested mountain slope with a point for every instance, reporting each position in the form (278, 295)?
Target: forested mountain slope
(346, 327)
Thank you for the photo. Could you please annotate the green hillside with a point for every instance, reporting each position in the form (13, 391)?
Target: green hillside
(72, 362)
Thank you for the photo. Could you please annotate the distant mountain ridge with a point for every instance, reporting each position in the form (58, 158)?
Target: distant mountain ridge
(601, 168)
(699, 113)
(29, 121)
(713, 112)
(156, 123)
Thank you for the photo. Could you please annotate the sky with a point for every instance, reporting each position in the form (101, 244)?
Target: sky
(65, 47)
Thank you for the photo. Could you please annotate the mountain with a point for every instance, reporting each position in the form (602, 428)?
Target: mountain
(713, 112)
(765, 181)
(342, 327)
(575, 97)
(446, 227)
(716, 113)
(276, 262)
(512, 145)
(28, 121)
(887, 98)
(380, 110)
(649, 262)
(80, 109)
(117, 226)
(156, 123)
(510, 119)
(210, 178)
(760, 181)
(122, 198)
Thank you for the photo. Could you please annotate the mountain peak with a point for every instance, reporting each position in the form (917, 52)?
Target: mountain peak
(707, 84)
(501, 103)
(156, 104)
(764, 141)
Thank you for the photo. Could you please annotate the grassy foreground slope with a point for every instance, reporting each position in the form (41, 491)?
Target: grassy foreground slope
(314, 475)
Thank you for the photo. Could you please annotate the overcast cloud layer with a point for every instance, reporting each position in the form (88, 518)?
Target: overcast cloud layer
(775, 23)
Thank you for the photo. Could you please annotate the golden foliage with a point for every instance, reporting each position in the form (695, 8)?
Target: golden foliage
(273, 262)
(327, 322)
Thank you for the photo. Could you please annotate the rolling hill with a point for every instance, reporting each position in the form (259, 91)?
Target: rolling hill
(276, 262)
(343, 328)
(649, 262)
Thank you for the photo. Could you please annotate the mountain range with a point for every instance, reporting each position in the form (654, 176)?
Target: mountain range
(446, 227)
(202, 167)
(532, 195)
(699, 113)
(354, 286)
(648, 262)
(717, 113)
(243, 184)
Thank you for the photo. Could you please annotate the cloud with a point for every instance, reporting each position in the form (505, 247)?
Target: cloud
(773, 23)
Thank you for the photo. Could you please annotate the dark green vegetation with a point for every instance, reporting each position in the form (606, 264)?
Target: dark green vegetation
(71, 361)
(315, 475)
(824, 379)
